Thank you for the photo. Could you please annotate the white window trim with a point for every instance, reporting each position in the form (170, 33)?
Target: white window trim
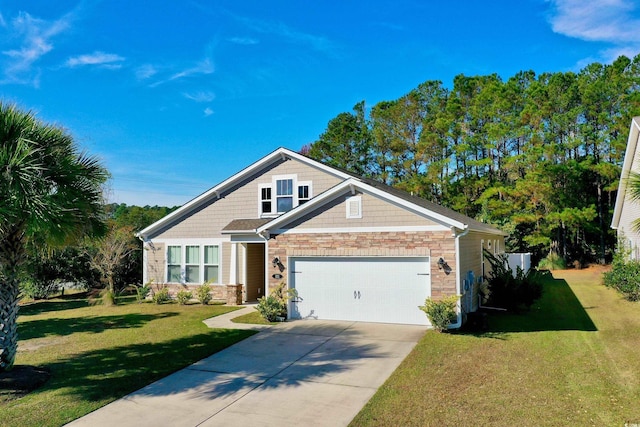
(183, 260)
(260, 200)
(295, 201)
(304, 184)
(349, 201)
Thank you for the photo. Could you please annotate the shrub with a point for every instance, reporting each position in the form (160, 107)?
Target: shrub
(36, 289)
(509, 291)
(161, 296)
(441, 313)
(204, 294)
(142, 292)
(275, 305)
(553, 261)
(270, 308)
(624, 275)
(183, 297)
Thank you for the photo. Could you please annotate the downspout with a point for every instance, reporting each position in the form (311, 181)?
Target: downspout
(457, 236)
(265, 235)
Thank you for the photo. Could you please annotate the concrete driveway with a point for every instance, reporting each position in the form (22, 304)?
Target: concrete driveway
(305, 372)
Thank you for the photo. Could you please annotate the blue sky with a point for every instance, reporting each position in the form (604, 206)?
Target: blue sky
(176, 96)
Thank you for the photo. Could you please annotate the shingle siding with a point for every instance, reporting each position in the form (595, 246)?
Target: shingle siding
(375, 213)
(242, 201)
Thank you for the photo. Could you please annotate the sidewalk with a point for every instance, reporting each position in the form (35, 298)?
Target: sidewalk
(224, 321)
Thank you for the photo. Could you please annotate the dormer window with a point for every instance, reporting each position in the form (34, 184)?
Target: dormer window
(283, 194)
(265, 199)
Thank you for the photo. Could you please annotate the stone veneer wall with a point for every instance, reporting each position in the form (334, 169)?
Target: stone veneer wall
(432, 244)
(218, 292)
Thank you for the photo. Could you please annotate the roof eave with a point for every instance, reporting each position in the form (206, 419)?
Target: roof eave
(629, 157)
(216, 191)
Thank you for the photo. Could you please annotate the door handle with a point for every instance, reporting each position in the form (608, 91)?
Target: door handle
(355, 295)
(358, 294)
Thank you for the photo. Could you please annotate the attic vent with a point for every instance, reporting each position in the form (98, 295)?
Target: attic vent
(354, 207)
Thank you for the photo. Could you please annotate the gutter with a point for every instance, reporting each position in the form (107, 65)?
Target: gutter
(457, 236)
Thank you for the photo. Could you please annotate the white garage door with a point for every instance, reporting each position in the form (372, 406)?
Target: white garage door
(372, 289)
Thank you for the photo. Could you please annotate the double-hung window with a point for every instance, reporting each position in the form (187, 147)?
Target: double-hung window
(193, 263)
(174, 264)
(304, 192)
(211, 263)
(266, 202)
(284, 195)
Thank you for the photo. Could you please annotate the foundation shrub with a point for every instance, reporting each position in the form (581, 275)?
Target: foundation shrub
(512, 291)
(441, 313)
(624, 275)
(183, 297)
(204, 294)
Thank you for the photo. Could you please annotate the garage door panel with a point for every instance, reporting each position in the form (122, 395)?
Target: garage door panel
(373, 289)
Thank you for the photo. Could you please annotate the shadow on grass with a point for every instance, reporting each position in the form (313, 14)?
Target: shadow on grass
(67, 302)
(96, 324)
(558, 310)
(114, 372)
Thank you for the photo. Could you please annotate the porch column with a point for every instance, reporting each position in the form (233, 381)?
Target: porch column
(233, 266)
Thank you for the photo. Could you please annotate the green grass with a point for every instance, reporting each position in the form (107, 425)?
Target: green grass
(97, 354)
(253, 318)
(572, 360)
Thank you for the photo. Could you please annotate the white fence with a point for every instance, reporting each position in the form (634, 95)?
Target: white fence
(519, 260)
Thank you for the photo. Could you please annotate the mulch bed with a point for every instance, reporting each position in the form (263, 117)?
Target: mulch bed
(21, 380)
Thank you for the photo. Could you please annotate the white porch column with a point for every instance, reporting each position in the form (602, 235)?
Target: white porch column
(233, 267)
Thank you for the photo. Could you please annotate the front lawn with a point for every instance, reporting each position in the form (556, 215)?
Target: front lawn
(97, 354)
(572, 360)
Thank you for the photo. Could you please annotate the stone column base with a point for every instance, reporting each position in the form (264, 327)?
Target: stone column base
(234, 294)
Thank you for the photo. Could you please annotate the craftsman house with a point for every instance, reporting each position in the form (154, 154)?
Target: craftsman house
(353, 248)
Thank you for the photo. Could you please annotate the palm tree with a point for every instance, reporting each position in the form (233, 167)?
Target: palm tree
(49, 191)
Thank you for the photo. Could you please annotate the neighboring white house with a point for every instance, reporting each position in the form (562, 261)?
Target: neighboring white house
(626, 210)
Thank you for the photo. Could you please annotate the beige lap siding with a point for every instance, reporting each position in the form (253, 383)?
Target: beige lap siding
(155, 262)
(431, 244)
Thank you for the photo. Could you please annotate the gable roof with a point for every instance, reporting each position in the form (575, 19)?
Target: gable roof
(437, 213)
(216, 191)
(629, 157)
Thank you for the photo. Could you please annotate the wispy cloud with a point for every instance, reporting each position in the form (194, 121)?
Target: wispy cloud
(247, 41)
(203, 67)
(291, 35)
(34, 39)
(596, 20)
(207, 112)
(204, 96)
(145, 71)
(614, 22)
(105, 60)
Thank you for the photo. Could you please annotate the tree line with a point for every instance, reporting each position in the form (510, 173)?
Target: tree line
(111, 261)
(539, 156)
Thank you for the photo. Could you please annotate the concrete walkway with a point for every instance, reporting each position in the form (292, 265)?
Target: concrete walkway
(304, 372)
